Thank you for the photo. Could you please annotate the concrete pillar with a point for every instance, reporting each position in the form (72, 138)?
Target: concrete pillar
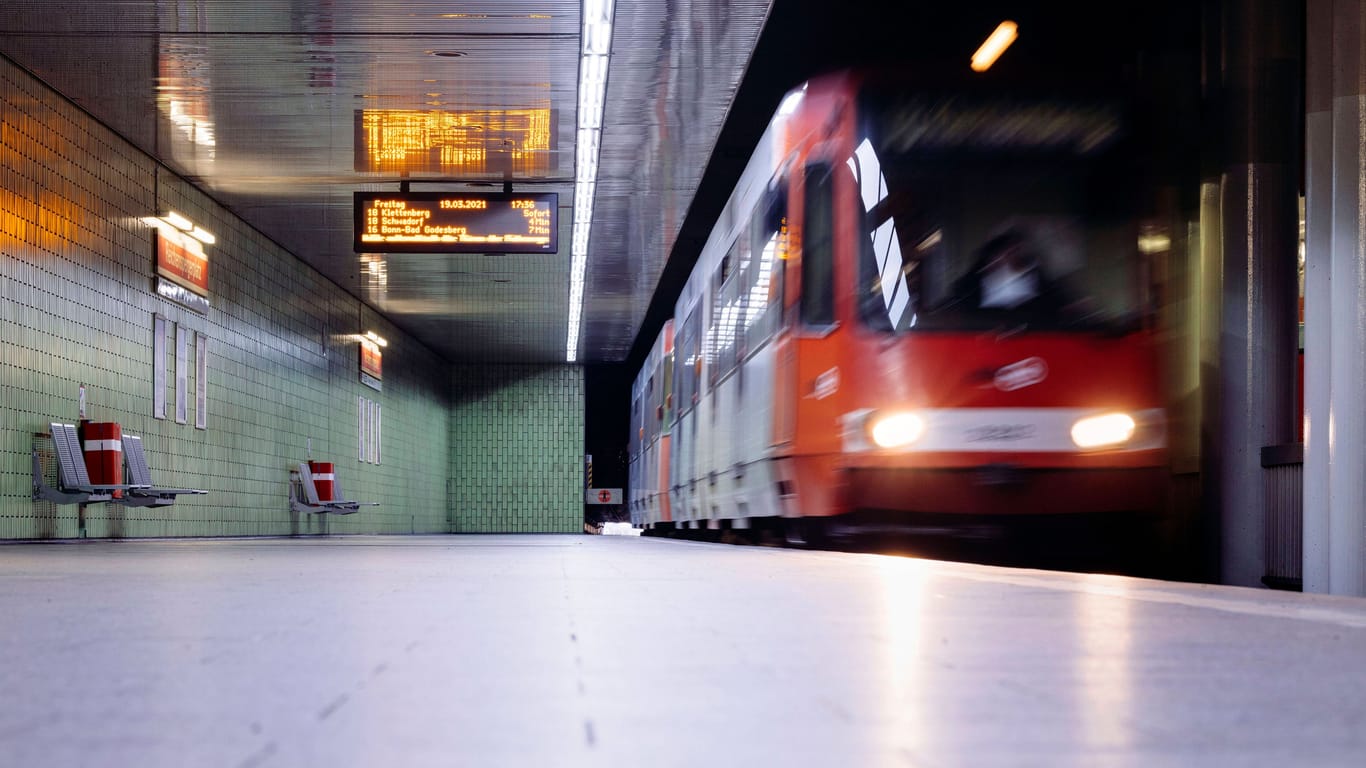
(1209, 294)
(1259, 207)
(1335, 300)
(1318, 227)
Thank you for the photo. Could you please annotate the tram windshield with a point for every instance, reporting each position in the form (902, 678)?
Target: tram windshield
(979, 214)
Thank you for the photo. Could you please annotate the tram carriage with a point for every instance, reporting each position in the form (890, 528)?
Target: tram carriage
(648, 450)
(916, 303)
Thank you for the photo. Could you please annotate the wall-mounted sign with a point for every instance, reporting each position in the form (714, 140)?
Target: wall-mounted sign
(159, 366)
(456, 143)
(182, 373)
(370, 429)
(182, 270)
(182, 260)
(371, 365)
(201, 381)
(602, 496)
(181, 295)
(456, 222)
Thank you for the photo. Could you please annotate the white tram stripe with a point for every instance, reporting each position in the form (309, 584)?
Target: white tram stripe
(1025, 430)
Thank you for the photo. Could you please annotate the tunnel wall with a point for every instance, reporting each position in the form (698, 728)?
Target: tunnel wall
(77, 304)
(517, 436)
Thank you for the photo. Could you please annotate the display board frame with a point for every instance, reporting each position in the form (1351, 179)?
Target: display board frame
(456, 222)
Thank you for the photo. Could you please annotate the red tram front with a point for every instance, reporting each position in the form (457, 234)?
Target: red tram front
(923, 302)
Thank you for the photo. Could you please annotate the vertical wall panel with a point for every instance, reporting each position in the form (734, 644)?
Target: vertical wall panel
(516, 447)
(76, 307)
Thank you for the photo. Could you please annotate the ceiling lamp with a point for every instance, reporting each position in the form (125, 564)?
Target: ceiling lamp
(995, 44)
(593, 58)
(178, 221)
(180, 227)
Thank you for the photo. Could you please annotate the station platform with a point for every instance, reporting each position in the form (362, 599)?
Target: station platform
(577, 650)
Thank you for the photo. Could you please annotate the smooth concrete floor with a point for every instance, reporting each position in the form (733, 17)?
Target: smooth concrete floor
(541, 650)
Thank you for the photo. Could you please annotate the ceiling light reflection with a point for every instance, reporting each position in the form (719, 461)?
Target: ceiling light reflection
(596, 46)
(1105, 664)
(901, 648)
(995, 44)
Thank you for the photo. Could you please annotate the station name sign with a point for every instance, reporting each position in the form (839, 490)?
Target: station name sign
(182, 270)
(451, 222)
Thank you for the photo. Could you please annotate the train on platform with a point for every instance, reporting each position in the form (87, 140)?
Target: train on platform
(918, 307)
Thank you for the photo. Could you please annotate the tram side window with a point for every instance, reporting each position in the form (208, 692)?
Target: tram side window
(652, 404)
(818, 291)
(764, 289)
(635, 426)
(725, 312)
(688, 365)
(737, 296)
(680, 383)
(667, 412)
(716, 339)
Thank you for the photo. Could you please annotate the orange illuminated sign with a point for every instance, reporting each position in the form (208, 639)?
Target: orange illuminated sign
(183, 263)
(371, 361)
(455, 142)
(450, 222)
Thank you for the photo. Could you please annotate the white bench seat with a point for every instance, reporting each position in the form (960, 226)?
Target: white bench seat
(304, 495)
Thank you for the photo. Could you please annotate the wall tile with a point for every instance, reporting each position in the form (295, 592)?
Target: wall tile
(513, 427)
(76, 307)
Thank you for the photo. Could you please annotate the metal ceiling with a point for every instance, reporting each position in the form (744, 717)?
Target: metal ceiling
(257, 102)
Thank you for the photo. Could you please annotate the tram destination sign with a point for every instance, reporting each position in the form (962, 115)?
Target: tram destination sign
(456, 222)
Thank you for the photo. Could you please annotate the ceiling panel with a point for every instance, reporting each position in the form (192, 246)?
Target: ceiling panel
(675, 70)
(261, 102)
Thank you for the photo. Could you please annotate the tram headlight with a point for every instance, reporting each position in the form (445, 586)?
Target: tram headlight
(894, 430)
(1102, 431)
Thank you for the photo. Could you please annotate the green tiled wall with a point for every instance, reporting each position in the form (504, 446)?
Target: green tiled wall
(516, 448)
(77, 307)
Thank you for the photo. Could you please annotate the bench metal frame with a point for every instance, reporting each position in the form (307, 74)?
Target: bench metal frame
(144, 494)
(73, 479)
(303, 496)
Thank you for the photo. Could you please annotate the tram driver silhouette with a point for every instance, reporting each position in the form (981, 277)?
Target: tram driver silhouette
(1008, 275)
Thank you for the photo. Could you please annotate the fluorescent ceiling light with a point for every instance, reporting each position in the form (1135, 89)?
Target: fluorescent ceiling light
(593, 71)
(202, 236)
(596, 35)
(597, 27)
(583, 207)
(178, 221)
(588, 173)
(994, 46)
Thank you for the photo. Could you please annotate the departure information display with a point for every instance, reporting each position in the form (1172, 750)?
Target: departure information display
(456, 222)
